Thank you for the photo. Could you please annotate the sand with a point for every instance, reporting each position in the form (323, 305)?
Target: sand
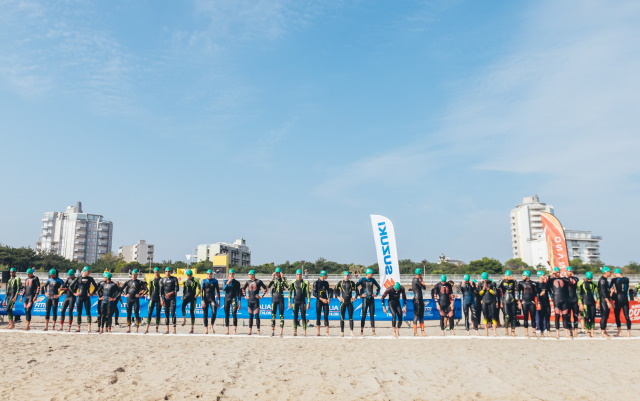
(60, 366)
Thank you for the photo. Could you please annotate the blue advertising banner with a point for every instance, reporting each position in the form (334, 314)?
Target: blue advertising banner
(430, 310)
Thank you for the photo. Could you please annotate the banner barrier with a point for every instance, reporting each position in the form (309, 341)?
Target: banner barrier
(430, 310)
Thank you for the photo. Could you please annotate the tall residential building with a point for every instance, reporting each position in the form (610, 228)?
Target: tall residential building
(140, 252)
(583, 245)
(75, 235)
(237, 254)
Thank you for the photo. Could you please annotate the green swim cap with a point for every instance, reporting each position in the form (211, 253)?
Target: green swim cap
(71, 272)
(507, 273)
(588, 275)
(14, 269)
(167, 269)
(443, 278)
(52, 272)
(418, 271)
(526, 273)
(189, 272)
(252, 272)
(569, 269)
(556, 269)
(369, 271)
(397, 286)
(211, 271)
(106, 275)
(278, 270)
(134, 271)
(156, 269)
(485, 275)
(467, 277)
(85, 269)
(29, 271)
(605, 269)
(299, 271)
(323, 273)
(617, 271)
(540, 273)
(474, 280)
(346, 273)
(232, 271)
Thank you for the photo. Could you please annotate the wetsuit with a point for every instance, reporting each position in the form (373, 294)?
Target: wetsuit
(345, 289)
(588, 297)
(604, 294)
(527, 294)
(169, 287)
(11, 295)
(99, 293)
(560, 291)
(232, 294)
(488, 301)
(134, 288)
(574, 309)
(110, 292)
(84, 297)
(154, 300)
(210, 291)
(321, 290)
(299, 291)
(509, 288)
(469, 309)
(621, 300)
(278, 286)
(543, 308)
(190, 291)
(70, 287)
(395, 298)
(251, 290)
(367, 287)
(444, 298)
(52, 288)
(417, 286)
(30, 294)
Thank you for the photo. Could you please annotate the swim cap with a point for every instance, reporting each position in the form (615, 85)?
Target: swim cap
(369, 271)
(156, 269)
(556, 269)
(167, 269)
(605, 269)
(540, 273)
(507, 273)
(617, 271)
(485, 275)
(211, 271)
(278, 270)
(323, 273)
(252, 272)
(346, 273)
(526, 273)
(588, 275)
(467, 277)
(134, 271)
(29, 271)
(569, 269)
(14, 269)
(474, 280)
(231, 271)
(106, 275)
(299, 271)
(52, 272)
(443, 278)
(85, 269)
(189, 272)
(397, 286)
(418, 271)
(71, 272)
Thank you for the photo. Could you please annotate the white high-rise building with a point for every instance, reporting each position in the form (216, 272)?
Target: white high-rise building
(583, 245)
(75, 235)
(238, 252)
(140, 252)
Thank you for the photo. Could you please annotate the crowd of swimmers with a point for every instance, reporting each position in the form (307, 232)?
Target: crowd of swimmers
(574, 301)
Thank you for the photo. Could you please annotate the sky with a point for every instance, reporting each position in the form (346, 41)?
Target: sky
(289, 122)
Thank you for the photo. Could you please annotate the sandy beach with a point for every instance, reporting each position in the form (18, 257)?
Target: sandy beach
(67, 366)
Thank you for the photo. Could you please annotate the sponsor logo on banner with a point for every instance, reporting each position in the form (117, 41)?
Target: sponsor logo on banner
(556, 242)
(385, 242)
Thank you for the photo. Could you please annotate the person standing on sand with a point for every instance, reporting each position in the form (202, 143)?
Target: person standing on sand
(369, 289)
(321, 291)
(210, 300)
(251, 292)
(574, 312)
(620, 296)
(396, 293)
(155, 302)
(543, 307)
(604, 293)
(133, 289)
(232, 294)
(444, 303)
(190, 292)
(83, 294)
(487, 290)
(469, 291)
(345, 289)
(29, 295)
(110, 292)
(52, 293)
(527, 294)
(278, 285)
(587, 302)
(12, 290)
(69, 290)
(560, 291)
(299, 291)
(418, 285)
(169, 287)
(508, 288)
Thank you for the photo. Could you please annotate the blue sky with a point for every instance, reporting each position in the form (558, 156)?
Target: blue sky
(289, 122)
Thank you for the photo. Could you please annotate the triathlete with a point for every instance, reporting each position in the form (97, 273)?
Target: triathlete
(210, 291)
(574, 310)
(559, 287)
(52, 293)
(12, 290)
(417, 286)
(369, 289)
(487, 290)
(110, 292)
(469, 309)
(509, 288)
(620, 296)
(345, 289)
(29, 295)
(232, 301)
(99, 293)
(301, 295)
(251, 292)
(83, 294)
(321, 291)
(278, 285)
(543, 307)
(190, 292)
(69, 290)
(587, 302)
(155, 303)
(604, 295)
(132, 290)
(396, 293)
(444, 303)
(169, 287)
(527, 295)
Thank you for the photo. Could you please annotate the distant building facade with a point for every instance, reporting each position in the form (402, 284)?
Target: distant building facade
(140, 252)
(75, 235)
(583, 245)
(222, 254)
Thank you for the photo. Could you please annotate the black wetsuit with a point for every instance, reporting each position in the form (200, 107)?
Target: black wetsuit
(190, 289)
(527, 293)
(110, 293)
(368, 287)
(543, 317)
(574, 309)
(299, 291)
(444, 298)
(154, 300)
(321, 290)
(345, 289)
(251, 291)
(489, 300)
(278, 286)
(133, 288)
(604, 293)
(30, 294)
(99, 292)
(417, 286)
(210, 291)
(11, 295)
(52, 288)
(84, 298)
(588, 296)
(70, 287)
(232, 294)
(469, 308)
(621, 300)
(509, 288)
(395, 298)
(560, 291)
(169, 287)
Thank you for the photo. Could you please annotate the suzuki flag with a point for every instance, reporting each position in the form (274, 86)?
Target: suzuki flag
(385, 240)
(556, 242)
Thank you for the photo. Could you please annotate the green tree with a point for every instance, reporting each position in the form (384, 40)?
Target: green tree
(516, 265)
(489, 265)
(108, 262)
